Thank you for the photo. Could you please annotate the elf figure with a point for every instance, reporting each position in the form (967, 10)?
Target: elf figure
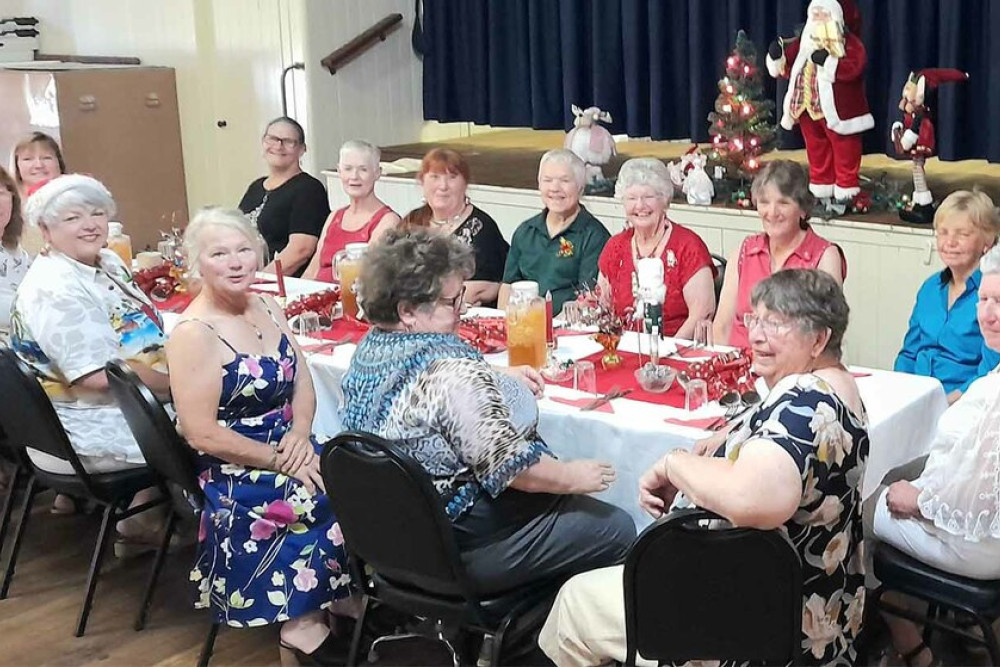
(825, 67)
(914, 135)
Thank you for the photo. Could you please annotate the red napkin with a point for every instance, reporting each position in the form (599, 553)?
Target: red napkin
(581, 402)
(706, 423)
(345, 327)
(176, 303)
(860, 374)
(325, 348)
(692, 352)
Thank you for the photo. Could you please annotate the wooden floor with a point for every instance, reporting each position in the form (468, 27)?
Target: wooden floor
(37, 621)
(509, 158)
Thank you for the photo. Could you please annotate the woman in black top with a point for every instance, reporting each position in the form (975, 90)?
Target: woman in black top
(288, 206)
(444, 177)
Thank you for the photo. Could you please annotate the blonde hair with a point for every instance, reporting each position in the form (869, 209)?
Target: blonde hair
(216, 216)
(977, 205)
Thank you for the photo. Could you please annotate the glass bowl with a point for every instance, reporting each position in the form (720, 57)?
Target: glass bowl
(559, 371)
(655, 379)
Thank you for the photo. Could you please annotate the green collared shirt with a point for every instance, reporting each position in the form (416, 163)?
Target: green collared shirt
(561, 264)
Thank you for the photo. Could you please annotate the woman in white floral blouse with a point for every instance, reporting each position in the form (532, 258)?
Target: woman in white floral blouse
(76, 309)
(795, 463)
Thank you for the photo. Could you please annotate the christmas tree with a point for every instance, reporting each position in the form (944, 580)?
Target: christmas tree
(741, 126)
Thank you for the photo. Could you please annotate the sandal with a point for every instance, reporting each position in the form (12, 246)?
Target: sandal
(333, 651)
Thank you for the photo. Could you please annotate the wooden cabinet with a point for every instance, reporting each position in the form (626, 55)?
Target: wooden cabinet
(119, 125)
(886, 264)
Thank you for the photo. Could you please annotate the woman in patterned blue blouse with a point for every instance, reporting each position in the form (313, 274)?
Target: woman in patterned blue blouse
(795, 463)
(519, 514)
(943, 340)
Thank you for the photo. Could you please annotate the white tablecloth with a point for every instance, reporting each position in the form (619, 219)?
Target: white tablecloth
(902, 409)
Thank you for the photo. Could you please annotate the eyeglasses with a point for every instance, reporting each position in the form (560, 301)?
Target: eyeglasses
(769, 327)
(456, 302)
(272, 140)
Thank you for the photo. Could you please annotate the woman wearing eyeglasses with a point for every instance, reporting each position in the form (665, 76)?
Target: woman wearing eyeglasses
(519, 515)
(781, 193)
(288, 206)
(793, 464)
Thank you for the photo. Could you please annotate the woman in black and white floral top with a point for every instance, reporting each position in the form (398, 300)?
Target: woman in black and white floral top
(14, 260)
(796, 463)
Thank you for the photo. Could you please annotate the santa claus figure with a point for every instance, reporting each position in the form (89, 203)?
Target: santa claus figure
(825, 67)
(914, 135)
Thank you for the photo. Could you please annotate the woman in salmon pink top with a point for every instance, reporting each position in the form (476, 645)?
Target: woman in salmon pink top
(645, 188)
(781, 192)
(364, 220)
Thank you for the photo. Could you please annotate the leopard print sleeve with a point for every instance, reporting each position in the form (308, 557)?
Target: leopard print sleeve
(470, 412)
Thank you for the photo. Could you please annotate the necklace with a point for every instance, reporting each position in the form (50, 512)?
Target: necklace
(659, 239)
(257, 332)
(458, 217)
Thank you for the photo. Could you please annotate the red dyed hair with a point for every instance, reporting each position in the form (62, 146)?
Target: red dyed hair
(437, 160)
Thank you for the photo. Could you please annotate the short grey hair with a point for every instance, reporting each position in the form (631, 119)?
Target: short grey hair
(53, 200)
(567, 158)
(646, 171)
(811, 298)
(410, 267)
(216, 216)
(373, 154)
(791, 180)
(990, 263)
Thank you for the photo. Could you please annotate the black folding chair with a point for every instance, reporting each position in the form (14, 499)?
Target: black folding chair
(169, 457)
(402, 545)
(975, 598)
(697, 588)
(30, 420)
(16, 461)
(720, 274)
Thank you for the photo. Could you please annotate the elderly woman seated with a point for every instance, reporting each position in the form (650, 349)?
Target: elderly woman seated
(559, 247)
(14, 260)
(943, 339)
(781, 193)
(77, 309)
(364, 220)
(795, 463)
(444, 179)
(519, 515)
(645, 188)
(271, 550)
(947, 513)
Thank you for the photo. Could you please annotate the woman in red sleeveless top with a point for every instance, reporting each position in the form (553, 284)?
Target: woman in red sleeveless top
(781, 192)
(364, 220)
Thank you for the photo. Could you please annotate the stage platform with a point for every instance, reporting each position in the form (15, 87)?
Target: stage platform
(509, 158)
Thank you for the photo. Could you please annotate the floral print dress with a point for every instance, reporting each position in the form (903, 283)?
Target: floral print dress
(829, 445)
(270, 551)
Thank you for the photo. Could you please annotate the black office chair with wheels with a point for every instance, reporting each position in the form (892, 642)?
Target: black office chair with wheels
(406, 541)
(942, 591)
(168, 455)
(697, 588)
(30, 420)
(719, 262)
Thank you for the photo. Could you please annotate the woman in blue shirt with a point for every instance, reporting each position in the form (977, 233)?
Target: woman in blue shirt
(943, 339)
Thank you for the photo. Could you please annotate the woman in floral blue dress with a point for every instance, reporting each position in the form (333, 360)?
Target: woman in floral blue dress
(271, 550)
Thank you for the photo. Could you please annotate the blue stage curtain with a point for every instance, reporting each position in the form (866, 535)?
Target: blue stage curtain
(655, 64)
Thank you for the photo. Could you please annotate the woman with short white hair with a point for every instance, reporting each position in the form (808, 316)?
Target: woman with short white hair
(645, 188)
(271, 550)
(364, 220)
(559, 247)
(77, 309)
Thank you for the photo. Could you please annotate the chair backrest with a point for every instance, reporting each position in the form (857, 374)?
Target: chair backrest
(28, 417)
(165, 451)
(698, 590)
(720, 274)
(391, 516)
